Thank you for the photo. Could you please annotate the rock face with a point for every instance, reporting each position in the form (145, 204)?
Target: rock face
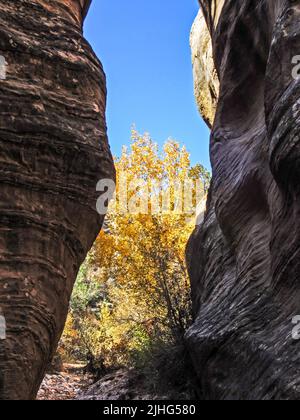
(122, 385)
(53, 151)
(205, 76)
(245, 260)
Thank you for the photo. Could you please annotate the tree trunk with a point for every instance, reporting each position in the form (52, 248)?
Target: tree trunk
(53, 151)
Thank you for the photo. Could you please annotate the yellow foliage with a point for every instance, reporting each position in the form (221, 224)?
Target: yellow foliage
(142, 260)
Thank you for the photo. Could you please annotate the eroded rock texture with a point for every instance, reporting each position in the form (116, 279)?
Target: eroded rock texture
(205, 75)
(245, 259)
(53, 150)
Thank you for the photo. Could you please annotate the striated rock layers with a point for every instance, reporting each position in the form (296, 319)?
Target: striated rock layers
(245, 260)
(53, 150)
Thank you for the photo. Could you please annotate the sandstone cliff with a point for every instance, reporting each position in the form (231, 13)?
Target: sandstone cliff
(53, 150)
(205, 76)
(244, 260)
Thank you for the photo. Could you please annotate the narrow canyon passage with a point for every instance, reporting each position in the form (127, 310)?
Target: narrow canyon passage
(243, 259)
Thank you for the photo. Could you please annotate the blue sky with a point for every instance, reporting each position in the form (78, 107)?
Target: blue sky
(144, 48)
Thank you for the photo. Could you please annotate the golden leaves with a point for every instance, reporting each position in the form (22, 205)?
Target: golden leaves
(142, 257)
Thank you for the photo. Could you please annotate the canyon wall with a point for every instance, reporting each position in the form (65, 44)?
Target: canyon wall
(244, 261)
(206, 80)
(53, 151)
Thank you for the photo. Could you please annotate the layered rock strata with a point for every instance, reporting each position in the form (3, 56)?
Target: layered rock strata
(53, 151)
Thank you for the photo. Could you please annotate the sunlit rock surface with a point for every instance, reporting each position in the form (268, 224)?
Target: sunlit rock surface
(244, 260)
(205, 75)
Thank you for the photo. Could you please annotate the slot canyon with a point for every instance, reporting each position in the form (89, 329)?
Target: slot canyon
(243, 260)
